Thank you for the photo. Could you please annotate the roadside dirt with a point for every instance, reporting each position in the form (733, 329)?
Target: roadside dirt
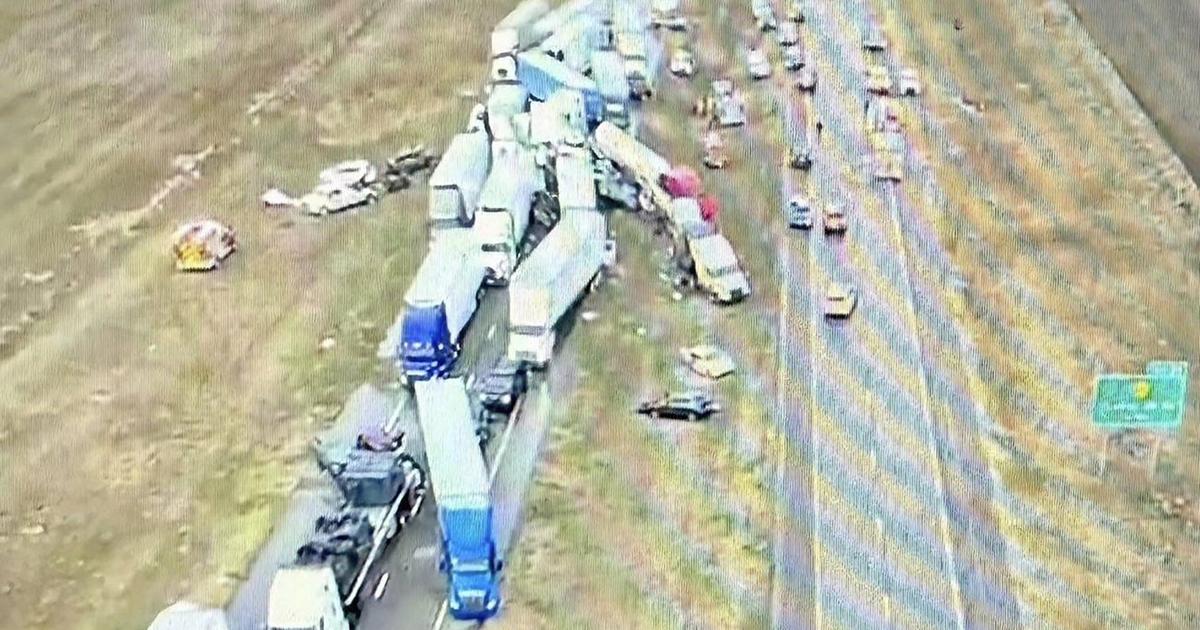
(150, 422)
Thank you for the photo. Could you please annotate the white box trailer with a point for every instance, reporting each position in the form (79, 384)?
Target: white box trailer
(562, 118)
(457, 180)
(576, 179)
(573, 42)
(554, 277)
(505, 208)
(449, 282)
(516, 32)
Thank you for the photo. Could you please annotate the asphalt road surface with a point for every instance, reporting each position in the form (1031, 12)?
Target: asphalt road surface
(413, 590)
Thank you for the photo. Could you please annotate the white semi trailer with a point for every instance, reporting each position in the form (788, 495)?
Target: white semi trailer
(518, 31)
(575, 178)
(637, 161)
(554, 278)
(455, 183)
(504, 209)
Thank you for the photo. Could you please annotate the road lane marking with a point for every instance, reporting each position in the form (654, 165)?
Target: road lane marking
(927, 413)
(504, 439)
(440, 618)
(383, 580)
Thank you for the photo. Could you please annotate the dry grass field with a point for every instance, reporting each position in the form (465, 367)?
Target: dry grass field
(151, 422)
(1076, 230)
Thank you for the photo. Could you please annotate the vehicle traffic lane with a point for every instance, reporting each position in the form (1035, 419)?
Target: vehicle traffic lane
(914, 572)
(314, 496)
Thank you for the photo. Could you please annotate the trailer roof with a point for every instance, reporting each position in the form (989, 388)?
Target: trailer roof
(561, 245)
(608, 71)
(462, 156)
(456, 466)
(510, 177)
(558, 70)
(576, 181)
(441, 267)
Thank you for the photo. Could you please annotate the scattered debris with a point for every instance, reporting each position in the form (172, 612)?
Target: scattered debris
(589, 316)
(276, 198)
(202, 245)
(327, 344)
(37, 278)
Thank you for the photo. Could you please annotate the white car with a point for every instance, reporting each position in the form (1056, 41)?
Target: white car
(874, 39)
(351, 173)
(683, 63)
(799, 213)
(878, 80)
(788, 34)
(334, 198)
(793, 58)
(757, 64)
(840, 301)
(910, 83)
(806, 81)
(707, 361)
(795, 11)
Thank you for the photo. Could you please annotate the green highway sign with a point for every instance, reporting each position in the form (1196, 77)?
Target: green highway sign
(1154, 400)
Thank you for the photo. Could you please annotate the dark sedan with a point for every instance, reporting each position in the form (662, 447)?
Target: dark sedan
(689, 406)
(500, 389)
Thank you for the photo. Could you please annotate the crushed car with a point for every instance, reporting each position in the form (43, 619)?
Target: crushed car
(202, 245)
(793, 58)
(503, 386)
(707, 361)
(330, 198)
(350, 174)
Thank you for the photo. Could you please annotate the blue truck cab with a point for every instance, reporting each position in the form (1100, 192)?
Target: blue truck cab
(425, 344)
(543, 75)
(440, 302)
(462, 488)
(469, 557)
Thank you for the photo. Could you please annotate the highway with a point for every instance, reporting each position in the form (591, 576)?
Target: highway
(883, 532)
(406, 589)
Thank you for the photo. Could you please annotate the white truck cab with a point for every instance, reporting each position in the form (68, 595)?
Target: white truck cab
(305, 598)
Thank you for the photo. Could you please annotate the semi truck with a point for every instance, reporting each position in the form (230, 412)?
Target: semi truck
(638, 162)
(711, 259)
(573, 42)
(504, 210)
(608, 71)
(543, 75)
(439, 304)
(382, 488)
(506, 100)
(575, 179)
(462, 490)
(518, 31)
(560, 119)
(554, 278)
(455, 183)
